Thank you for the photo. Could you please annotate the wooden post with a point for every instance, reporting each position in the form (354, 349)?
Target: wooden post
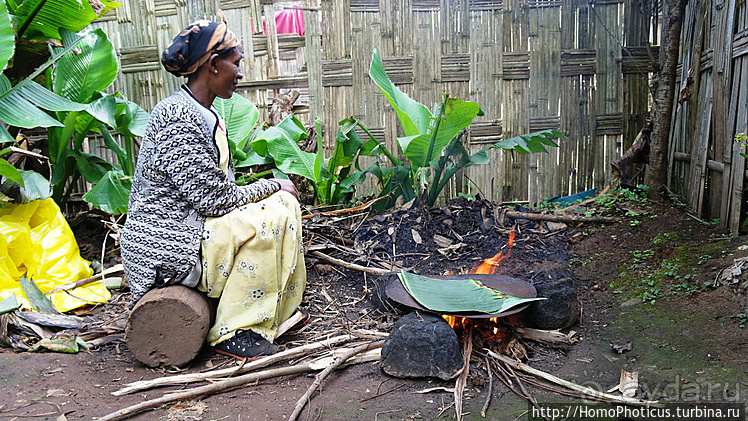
(168, 326)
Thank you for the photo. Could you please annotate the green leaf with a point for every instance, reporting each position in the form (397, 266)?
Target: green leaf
(78, 76)
(414, 116)
(241, 116)
(46, 99)
(9, 171)
(252, 159)
(7, 37)
(282, 142)
(111, 194)
(131, 118)
(65, 345)
(9, 304)
(55, 15)
(17, 111)
(34, 186)
(35, 296)
(458, 295)
(102, 109)
(529, 143)
(92, 167)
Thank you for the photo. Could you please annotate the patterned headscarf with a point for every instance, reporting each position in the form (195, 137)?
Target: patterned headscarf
(195, 44)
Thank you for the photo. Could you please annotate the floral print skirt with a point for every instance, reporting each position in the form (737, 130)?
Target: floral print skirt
(253, 262)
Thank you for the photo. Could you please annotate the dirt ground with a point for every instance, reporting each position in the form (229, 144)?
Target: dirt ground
(648, 279)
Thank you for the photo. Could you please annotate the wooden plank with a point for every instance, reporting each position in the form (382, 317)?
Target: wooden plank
(486, 89)
(724, 15)
(738, 161)
(608, 95)
(427, 61)
(313, 37)
(515, 96)
(700, 149)
(544, 96)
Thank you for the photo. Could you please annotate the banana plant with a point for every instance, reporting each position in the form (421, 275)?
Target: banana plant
(432, 143)
(83, 78)
(333, 179)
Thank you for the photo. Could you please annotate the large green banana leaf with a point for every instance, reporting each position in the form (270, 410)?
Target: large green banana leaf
(20, 104)
(414, 116)
(458, 295)
(71, 15)
(111, 194)
(78, 76)
(241, 116)
(282, 142)
(7, 37)
(455, 116)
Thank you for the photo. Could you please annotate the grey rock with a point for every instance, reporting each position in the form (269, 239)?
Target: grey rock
(422, 345)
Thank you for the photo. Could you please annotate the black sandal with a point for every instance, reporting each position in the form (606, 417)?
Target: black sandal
(246, 344)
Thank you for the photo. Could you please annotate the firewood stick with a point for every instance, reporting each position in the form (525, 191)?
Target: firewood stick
(462, 380)
(560, 218)
(530, 398)
(321, 376)
(573, 386)
(226, 384)
(342, 263)
(490, 389)
(263, 362)
(73, 285)
(552, 338)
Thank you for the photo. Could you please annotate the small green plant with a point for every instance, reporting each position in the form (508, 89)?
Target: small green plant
(578, 261)
(742, 139)
(703, 259)
(642, 255)
(664, 238)
(742, 319)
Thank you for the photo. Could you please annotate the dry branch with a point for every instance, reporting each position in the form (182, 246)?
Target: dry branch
(263, 362)
(551, 338)
(321, 376)
(343, 263)
(490, 389)
(560, 218)
(462, 380)
(573, 386)
(230, 384)
(117, 269)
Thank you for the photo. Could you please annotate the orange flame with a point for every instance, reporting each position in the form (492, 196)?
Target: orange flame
(488, 266)
(491, 265)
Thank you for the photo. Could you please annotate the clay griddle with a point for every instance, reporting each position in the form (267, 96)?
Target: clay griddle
(506, 284)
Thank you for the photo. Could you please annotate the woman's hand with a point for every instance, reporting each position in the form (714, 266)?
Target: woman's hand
(287, 185)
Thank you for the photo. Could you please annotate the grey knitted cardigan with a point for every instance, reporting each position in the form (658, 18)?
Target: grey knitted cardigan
(177, 184)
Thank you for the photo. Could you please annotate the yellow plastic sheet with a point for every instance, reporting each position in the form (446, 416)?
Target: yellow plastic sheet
(36, 241)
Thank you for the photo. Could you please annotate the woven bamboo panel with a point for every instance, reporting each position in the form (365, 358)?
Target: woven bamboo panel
(531, 65)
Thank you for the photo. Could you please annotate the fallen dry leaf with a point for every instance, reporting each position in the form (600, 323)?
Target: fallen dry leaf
(416, 236)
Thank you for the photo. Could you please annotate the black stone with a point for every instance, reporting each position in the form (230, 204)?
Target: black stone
(559, 311)
(422, 345)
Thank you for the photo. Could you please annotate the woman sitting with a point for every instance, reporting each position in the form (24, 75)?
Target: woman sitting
(189, 223)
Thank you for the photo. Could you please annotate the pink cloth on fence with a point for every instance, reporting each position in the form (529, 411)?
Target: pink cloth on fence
(288, 21)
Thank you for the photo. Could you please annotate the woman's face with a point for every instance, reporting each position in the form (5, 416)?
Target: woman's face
(229, 73)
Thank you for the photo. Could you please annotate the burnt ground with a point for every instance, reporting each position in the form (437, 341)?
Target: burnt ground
(648, 279)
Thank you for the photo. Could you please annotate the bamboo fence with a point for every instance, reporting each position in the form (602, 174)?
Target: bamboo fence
(711, 110)
(582, 67)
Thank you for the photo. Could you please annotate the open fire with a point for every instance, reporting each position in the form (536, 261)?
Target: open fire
(489, 328)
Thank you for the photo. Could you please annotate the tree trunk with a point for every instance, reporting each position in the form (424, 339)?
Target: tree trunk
(656, 174)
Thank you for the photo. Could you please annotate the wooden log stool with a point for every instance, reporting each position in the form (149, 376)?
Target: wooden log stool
(168, 326)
